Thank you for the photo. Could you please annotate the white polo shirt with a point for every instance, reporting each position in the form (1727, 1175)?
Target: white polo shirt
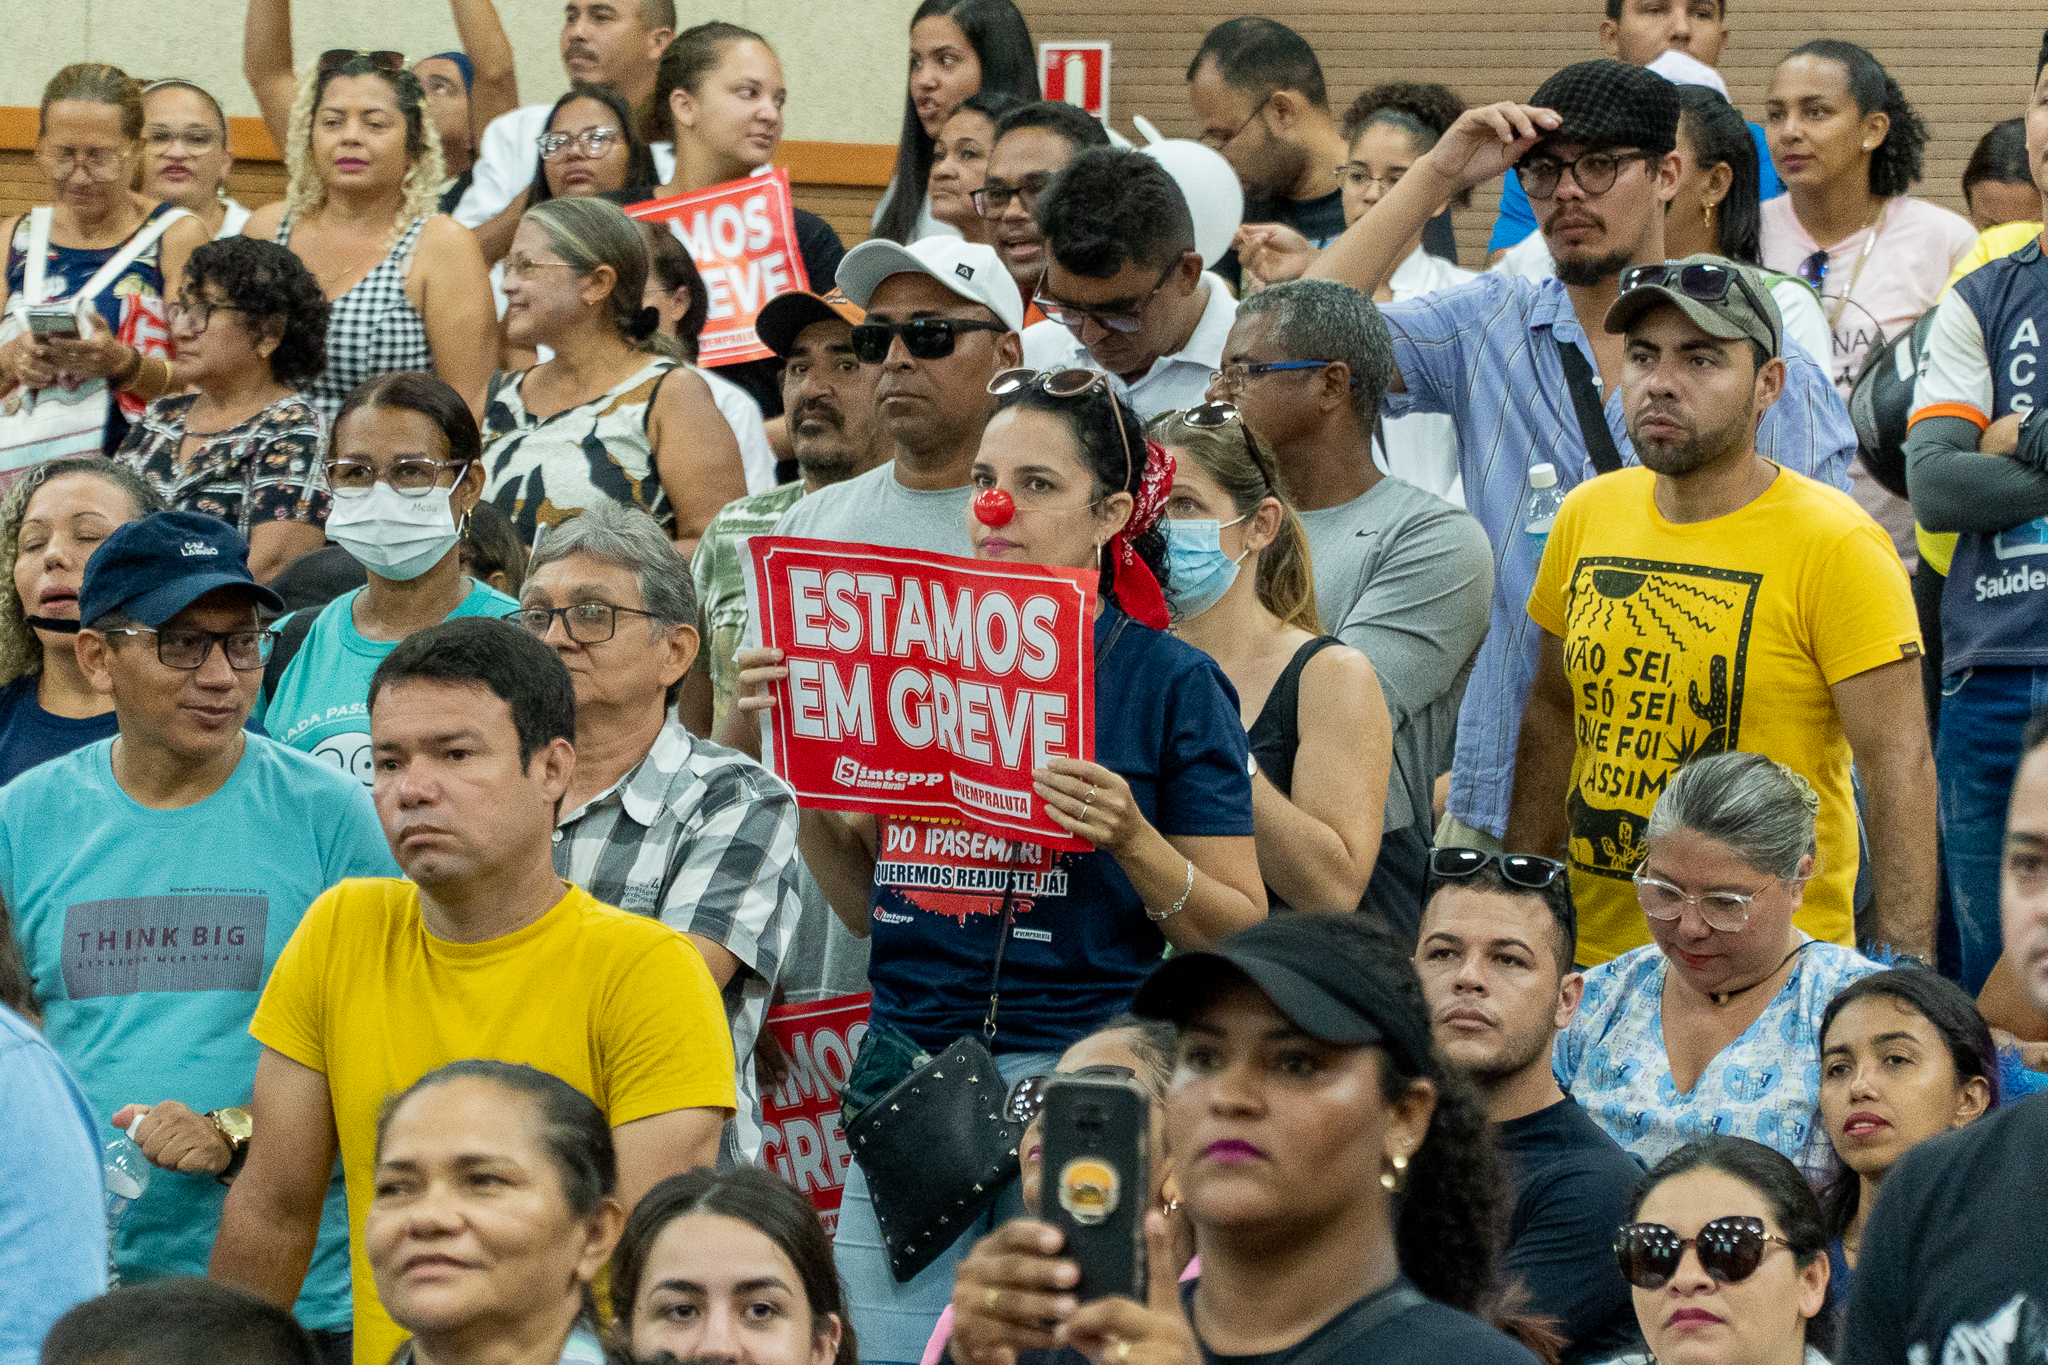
(506, 156)
(1176, 381)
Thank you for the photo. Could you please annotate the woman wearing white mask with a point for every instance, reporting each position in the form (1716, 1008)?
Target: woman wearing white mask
(405, 467)
(1320, 731)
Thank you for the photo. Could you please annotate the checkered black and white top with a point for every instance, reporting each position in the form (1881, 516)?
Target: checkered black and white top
(372, 330)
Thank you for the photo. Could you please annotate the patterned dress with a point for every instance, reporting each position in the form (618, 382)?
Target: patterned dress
(372, 330)
(261, 470)
(541, 471)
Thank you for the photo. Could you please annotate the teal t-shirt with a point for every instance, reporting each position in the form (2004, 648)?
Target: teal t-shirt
(322, 703)
(150, 935)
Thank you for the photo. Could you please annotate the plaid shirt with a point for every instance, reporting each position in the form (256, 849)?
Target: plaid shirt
(704, 839)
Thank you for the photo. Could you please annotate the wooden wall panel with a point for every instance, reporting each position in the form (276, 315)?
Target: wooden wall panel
(1964, 66)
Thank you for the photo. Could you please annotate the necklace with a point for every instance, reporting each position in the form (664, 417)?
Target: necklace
(1722, 998)
(1869, 242)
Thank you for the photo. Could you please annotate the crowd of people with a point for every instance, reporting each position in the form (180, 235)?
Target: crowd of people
(1567, 815)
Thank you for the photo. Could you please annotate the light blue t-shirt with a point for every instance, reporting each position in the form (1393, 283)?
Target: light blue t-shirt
(150, 935)
(53, 1231)
(322, 703)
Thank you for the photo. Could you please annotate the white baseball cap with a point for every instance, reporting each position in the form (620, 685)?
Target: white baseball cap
(969, 269)
(1682, 68)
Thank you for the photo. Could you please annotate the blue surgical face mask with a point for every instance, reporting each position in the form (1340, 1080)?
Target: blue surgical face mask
(1198, 573)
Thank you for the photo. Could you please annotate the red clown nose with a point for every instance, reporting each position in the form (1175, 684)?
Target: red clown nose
(993, 507)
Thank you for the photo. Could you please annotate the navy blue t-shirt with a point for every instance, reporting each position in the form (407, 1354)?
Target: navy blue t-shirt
(1166, 721)
(30, 735)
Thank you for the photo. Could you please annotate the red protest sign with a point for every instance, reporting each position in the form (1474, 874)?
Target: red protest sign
(925, 684)
(742, 235)
(801, 1136)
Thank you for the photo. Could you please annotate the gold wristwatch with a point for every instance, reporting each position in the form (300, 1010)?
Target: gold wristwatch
(236, 1128)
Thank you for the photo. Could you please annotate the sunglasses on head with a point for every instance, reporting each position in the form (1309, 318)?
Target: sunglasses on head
(1730, 1250)
(1518, 869)
(1215, 416)
(1699, 281)
(924, 338)
(334, 58)
(1027, 1097)
(1065, 384)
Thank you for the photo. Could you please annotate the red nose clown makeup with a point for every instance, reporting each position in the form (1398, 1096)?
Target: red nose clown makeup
(994, 507)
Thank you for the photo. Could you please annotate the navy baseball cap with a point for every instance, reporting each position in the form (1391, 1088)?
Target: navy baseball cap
(152, 569)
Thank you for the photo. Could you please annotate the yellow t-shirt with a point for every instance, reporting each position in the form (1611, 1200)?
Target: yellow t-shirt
(618, 1006)
(1682, 641)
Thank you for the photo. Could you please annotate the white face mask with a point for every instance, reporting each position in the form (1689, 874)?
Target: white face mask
(394, 536)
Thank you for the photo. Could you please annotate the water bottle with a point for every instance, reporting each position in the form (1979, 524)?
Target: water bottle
(127, 1175)
(1545, 497)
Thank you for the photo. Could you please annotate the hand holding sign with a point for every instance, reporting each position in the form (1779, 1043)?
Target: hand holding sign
(742, 237)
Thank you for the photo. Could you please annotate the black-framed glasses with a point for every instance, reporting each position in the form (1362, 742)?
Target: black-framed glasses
(1074, 316)
(924, 338)
(196, 317)
(1730, 1250)
(587, 623)
(183, 648)
(1701, 281)
(381, 59)
(1027, 1096)
(1066, 384)
(1218, 414)
(1525, 870)
(409, 478)
(1595, 172)
(993, 201)
(1215, 145)
(592, 142)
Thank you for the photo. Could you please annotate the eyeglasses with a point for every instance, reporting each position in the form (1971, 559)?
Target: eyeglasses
(1355, 175)
(246, 650)
(1730, 1250)
(1066, 384)
(1219, 414)
(383, 59)
(1525, 870)
(1700, 281)
(200, 140)
(409, 478)
(1234, 375)
(1595, 172)
(195, 318)
(100, 163)
(1727, 911)
(519, 267)
(1073, 316)
(592, 142)
(1215, 145)
(993, 201)
(924, 338)
(587, 623)
(1027, 1096)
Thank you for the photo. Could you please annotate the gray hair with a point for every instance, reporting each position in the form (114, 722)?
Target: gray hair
(613, 533)
(1755, 805)
(1325, 320)
(588, 233)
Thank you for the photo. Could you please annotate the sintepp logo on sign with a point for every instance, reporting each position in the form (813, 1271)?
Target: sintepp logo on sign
(849, 772)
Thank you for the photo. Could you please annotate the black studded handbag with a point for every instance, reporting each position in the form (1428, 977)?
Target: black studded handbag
(938, 1147)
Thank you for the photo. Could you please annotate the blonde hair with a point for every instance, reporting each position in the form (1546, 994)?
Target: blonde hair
(1286, 581)
(420, 190)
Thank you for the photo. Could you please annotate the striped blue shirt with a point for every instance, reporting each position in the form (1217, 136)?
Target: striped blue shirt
(1483, 354)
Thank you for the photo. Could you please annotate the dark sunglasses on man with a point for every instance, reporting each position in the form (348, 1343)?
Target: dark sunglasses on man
(1701, 281)
(924, 338)
(1525, 870)
(1730, 1250)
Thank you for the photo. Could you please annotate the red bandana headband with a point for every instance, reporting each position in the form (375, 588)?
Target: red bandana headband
(1137, 588)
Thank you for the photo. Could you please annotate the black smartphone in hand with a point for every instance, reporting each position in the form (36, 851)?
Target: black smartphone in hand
(1096, 1181)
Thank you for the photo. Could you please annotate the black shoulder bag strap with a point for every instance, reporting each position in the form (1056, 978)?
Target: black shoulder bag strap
(1592, 413)
(286, 649)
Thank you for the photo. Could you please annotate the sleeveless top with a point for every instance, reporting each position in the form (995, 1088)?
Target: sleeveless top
(541, 471)
(372, 329)
(263, 469)
(1276, 734)
(133, 305)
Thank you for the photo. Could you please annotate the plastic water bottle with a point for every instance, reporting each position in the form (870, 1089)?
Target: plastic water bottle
(127, 1174)
(1545, 497)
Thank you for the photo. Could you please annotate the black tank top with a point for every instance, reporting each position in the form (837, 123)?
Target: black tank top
(1276, 734)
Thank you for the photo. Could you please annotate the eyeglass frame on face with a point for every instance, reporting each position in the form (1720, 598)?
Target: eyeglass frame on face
(180, 310)
(524, 618)
(1028, 194)
(947, 330)
(1252, 369)
(1748, 1225)
(1257, 109)
(1526, 172)
(517, 268)
(1687, 901)
(102, 165)
(1356, 173)
(198, 137)
(1026, 1099)
(1120, 322)
(265, 641)
(612, 137)
(327, 468)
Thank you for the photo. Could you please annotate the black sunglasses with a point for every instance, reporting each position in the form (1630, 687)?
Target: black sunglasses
(1218, 414)
(334, 58)
(1730, 1250)
(1519, 869)
(1700, 282)
(924, 338)
(1027, 1096)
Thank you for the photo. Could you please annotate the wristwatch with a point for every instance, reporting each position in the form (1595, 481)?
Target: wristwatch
(235, 1127)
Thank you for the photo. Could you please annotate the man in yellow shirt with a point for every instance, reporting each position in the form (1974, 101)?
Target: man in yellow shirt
(1713, 601)
(483, 953)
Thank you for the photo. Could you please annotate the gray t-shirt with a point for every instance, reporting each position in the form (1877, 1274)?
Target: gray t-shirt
(874, 509)
(1406, 579)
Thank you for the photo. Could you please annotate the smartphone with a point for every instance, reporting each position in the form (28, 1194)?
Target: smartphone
(1097, 1182)
(53, 320)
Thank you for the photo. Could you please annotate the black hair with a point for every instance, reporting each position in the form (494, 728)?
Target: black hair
(691, 56)
(1772, 1175)
(2000, 156)
(1715, 131)
(185, 1321)
(1954, 1015)
(1424, 110)
(991, 105)
(491, 545)
(264, 281)
(420, 392)
(1094, 420)
(1080, 128)
(668, 261)
(1895, 165)
(406, 90)
(1556, 898)
(639, 161)
(1009, 65)
(521, 671)
(2036, 732)
(1110, 207)
(575, 1132)
(754, 1197)
(180, 83)
(1157, 1043)
(1614, 9)
(1260, 57)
